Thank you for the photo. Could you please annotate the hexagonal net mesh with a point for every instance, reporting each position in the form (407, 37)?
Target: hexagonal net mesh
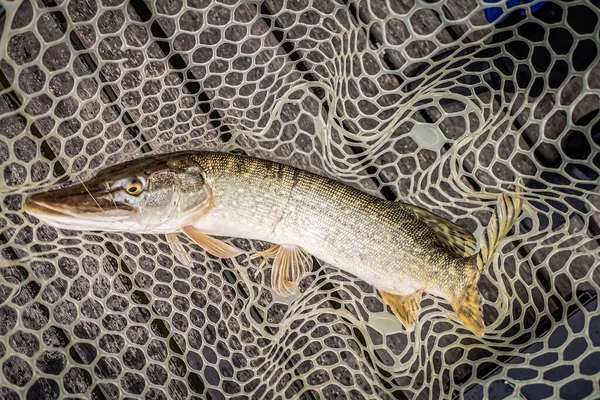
(428, 102)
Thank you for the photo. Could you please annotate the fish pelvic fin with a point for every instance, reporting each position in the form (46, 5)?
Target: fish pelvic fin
(405, 308)
(267, 254)
(216, 247)
(467, 305)
(504, 217)
(290, 265)
(177, 248)
(454, 238)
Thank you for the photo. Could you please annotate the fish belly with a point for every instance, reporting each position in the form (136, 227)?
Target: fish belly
(351, 241)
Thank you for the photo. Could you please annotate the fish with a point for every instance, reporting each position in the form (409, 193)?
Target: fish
(401, 249)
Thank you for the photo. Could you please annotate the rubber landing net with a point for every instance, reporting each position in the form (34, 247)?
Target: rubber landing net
(443, 104)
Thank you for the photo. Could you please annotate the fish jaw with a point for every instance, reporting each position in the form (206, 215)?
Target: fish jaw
(70, 208)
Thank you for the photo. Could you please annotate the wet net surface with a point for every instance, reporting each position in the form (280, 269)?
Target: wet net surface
(427, 102)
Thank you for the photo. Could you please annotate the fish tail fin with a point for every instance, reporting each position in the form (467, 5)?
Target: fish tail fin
(506, 213)
(467, 305)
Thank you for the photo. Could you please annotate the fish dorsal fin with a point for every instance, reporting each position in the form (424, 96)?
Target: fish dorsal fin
(290, 265)
(454, 238)
(177, 248)
(216, 247)
(405, 308)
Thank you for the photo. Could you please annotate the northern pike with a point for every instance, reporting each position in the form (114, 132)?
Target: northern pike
(401, 249)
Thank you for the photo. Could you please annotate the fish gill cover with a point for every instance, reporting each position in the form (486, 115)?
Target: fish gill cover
(422, 101)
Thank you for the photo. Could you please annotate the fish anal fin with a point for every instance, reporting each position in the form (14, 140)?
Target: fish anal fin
(177, 248)
(290, 265)
(454, 238)
(467, 306)
(405, 308)
(216, 247)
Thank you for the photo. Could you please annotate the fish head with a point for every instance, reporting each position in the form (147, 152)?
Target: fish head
(158, 194)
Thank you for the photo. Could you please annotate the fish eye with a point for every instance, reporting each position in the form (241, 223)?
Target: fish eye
(134, 187)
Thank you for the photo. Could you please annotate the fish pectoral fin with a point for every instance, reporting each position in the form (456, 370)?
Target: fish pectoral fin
(177, 248)
(468, 308)
(216, 247)
(454, 238)
(405, 308)
(290, 265)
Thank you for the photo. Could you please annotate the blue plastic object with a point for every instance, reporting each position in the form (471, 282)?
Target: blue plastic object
(493, 13)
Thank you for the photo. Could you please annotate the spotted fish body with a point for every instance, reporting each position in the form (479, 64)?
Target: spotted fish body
(379, 241)
(400, 249)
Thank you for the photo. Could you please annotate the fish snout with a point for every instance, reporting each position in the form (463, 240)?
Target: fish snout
(74, 201)
(39, 204)
(55, 200)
